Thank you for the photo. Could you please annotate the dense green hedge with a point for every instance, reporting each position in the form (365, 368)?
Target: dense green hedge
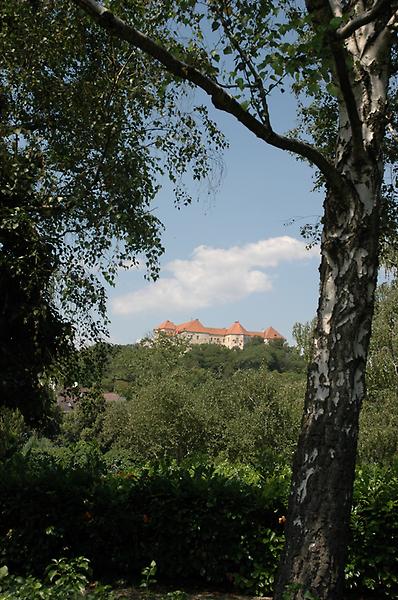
(197, 524)
(373, 562)
(202, 524)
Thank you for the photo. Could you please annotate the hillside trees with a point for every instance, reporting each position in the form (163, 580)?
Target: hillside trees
(342, 55)
(303, 334)
(378, 439)
(190, 403)
(186, 413)
(134, 364)
(86, 126)
(383, 351)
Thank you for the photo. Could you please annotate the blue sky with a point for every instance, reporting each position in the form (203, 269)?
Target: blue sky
(231, 256)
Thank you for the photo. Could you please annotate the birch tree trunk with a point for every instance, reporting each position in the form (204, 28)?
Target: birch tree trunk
(323, 472)
(317, 528)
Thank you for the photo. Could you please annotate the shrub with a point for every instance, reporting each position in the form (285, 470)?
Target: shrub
(198, 524)
(378, 441)
(64, 579)
(251, 418)
(202, 524)
(373, 561)
(13, 431)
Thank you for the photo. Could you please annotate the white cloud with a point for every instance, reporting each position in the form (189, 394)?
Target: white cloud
(214, 276)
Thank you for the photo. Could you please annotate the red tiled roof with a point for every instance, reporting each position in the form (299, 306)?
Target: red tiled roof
(216, 331)
(166, 325)
(111, 396)
(271, 334)
(256, 334)
(236, 329)
(195, 326)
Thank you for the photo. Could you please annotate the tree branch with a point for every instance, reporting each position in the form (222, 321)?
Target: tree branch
(249, 66)
(321, 12)
(220, 98)
(349, 28)
(348, 96)
(336, 7)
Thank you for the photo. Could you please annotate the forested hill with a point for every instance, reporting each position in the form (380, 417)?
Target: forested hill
(180, 402)
(126, 363)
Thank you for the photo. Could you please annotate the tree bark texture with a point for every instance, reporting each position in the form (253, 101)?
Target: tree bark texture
(317, 528)
(323, 473)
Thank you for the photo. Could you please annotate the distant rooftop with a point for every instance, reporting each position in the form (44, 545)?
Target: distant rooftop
(195, 326)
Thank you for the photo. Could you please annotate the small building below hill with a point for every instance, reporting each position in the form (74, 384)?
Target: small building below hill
(235, 336)
(68, 399)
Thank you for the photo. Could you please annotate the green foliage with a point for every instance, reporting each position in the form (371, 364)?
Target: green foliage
(64, 579)
(379, 419)
(86, 367)
(85, 421)
(148, 575)
(276, 356)
(33, 333)
(303, 334)
(382, 371)
(184, 402)
(377, 441)
(131, 365)
(256, 47)
(83, 459)
(176, 595)
(181, 413)
(91, 111)
(373, 562)
(87, 128)
(214, 524)
(261, 578)
(217, 359)
(13, 431)
(197, 524)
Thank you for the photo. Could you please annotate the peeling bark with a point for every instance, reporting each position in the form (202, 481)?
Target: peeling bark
(317, 528)
(323, 473)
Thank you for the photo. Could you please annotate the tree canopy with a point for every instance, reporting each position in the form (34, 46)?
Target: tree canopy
(87, 128)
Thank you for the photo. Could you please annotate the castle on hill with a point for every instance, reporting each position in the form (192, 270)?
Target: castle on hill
(235, 336)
